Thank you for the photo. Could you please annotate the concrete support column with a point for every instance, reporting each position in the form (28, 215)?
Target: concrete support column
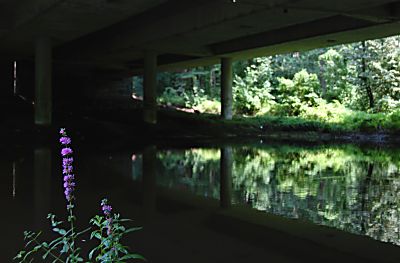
(226, 88)
(150, 88)
(226, 177)
(43, 79)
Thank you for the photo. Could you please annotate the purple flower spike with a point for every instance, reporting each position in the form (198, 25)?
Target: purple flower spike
(69, 184)
(66, 151)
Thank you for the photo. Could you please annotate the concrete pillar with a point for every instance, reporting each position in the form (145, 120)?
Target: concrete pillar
(226, 88)
(226, 177)
(149, 185)
(150, 88)
(43, 79)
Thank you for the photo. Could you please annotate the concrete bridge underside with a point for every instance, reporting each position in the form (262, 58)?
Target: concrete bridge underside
(85, 40)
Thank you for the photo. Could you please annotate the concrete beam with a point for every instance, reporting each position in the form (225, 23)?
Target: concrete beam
(43, 80)
(150, 88)
(326, 40)
(226, 88)
(302, 31)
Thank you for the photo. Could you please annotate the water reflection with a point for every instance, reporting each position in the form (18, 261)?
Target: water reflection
(42, 181)
(345, 187)
(149, 181)
(226, 177)
(14, 180)
(353, 189)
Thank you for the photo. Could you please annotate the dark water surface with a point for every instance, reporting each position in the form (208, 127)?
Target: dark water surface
(350, 188)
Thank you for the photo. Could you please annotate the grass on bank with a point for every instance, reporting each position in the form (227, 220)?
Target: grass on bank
(315, 120)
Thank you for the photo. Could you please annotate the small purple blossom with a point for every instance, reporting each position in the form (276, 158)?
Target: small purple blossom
(66, 151)
(67, 161)
(65, 140)
(67, 169)
(69, 185)
(62, 131)
(107, 209)
(69, 177)
(107, 212)
(69, 194)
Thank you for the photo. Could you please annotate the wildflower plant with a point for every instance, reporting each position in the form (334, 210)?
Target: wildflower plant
(108, 228)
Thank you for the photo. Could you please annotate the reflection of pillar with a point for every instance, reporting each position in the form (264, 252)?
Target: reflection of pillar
(149, 179)
(226, 177)
(43, 76)
(6, 80)
(226, 88)
(42, 174)
(149, 88)
(136, 167)
(14, 180)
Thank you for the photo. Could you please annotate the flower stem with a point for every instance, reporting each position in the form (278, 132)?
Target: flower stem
(71, 220)
(57, 259)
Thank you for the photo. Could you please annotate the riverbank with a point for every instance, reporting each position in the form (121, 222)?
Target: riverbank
(175, 124)
(95, 124)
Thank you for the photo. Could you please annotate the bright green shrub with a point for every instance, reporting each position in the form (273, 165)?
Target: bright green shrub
(296, 94)
(209, 106)
(251, 93)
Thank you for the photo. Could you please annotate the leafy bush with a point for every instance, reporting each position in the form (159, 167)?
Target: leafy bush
(251, 93)
(209, 106)
(174, 97)
(333, 112)
(296, 94)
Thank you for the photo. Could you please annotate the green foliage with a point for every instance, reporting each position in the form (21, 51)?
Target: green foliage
(65, 248)
(332, 85)
(208, 106)
(174, 97)
(333, 112)
(333, 74)
(297, 94)
(110, 248)
(251, 93)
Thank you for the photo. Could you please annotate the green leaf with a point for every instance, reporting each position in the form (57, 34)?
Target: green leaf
(133, 256)
(96, 234)
(92, 252)
(132, 229)
(65, 248)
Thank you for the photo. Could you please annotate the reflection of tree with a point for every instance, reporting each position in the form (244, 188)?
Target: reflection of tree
(342, 187)
(196, 170)
(345, 187)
